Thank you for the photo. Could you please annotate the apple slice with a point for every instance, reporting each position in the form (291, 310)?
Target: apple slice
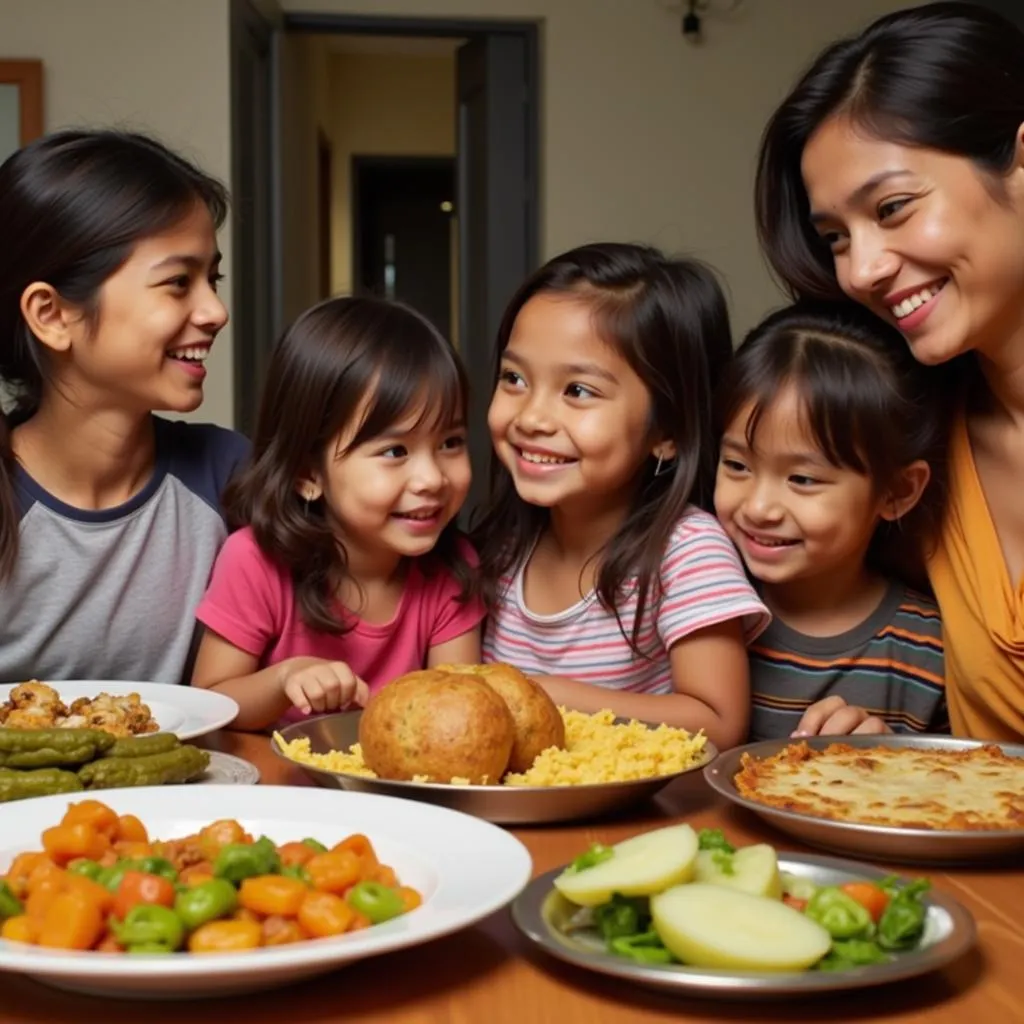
(753, 869)
(712, 926)
(640, 866)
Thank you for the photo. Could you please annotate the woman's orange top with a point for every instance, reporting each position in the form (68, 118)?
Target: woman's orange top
(982, 609)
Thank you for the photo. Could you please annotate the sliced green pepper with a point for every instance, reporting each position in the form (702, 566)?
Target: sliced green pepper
(296, 871)
(314, 844)
(597, 854)
(714, 839)
(902, 923)
(376, 901)
(149, 928)
(723, 860)
(622, 915)
(839, 914)
(849, 953)
(155, 866)
(645, 948)
(83, 866)
(207, 901)
(10, 905)
(238, 861)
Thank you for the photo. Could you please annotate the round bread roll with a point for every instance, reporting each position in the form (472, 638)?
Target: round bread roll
(440, 725)
(538, 723)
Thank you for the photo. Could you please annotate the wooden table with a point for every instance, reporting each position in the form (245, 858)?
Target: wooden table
(489, 975)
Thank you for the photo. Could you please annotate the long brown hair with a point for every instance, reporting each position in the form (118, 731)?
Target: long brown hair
(73, 205)
(328, 362)
(668, 319)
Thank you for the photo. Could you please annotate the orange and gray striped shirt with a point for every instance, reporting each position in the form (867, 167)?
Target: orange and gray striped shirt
(891, 664)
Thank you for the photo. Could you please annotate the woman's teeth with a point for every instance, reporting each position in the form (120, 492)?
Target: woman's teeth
(915, 301)
(544, 460)
(193, 354)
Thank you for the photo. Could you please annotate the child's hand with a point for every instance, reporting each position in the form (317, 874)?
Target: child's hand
(834, 717)
(317, 686)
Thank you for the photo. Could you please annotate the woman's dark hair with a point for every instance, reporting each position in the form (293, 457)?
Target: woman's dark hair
(73, 205)
(945, 76)
(867, 403)
(668, 319)
(343, 358)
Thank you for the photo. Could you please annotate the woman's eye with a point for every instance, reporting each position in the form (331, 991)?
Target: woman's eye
(580, 391)
(510, 377)
(454, 443)
(734, 466)
(804, 481)
(215, 279)
(835, 240)
(891, 207)
(181, 281)
(396, 451)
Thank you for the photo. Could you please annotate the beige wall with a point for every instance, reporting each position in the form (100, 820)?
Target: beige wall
(152, 65)
(646, 137)
(384, 105)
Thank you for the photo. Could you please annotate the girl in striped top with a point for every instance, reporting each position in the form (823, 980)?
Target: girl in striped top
(827, 479)
(606, 581)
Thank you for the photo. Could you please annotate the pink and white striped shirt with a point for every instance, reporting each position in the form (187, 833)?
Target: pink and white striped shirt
(703, 585)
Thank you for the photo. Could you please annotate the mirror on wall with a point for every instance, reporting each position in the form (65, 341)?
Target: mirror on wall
(21, 104)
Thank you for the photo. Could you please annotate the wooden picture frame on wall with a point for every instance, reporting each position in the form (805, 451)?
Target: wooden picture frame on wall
(25, 77)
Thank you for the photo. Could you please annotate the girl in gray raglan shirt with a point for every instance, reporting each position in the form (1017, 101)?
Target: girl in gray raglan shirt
(109, 515)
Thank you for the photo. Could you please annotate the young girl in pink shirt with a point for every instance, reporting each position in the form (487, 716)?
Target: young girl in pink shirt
(348, 569)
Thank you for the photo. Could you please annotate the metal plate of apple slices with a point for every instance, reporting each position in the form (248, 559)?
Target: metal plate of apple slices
(949, 933)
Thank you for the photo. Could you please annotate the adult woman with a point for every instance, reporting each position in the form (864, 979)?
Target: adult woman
(893, 174)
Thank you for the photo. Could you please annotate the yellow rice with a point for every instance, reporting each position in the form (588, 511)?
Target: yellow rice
(596, 750)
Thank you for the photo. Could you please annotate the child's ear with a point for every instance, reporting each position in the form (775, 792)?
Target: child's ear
(664, 450)
(309, 488)
(907, 491)
(48, 316)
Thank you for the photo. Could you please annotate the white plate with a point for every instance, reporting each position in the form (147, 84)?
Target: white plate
(465, 868)
(224, 770)
(184, 710)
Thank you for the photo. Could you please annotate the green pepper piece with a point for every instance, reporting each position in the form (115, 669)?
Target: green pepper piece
(296, 871)
(714, 839)
(723, 860)
(903, 920)
(597, 854)
(10, 905)
(111, 877)
(155, 866)
(149, 925)
(645, 948)
(859, 952)
(839, 914)
(622, 915)
(314, 844)
(376, 901)
(238, 861)
(88, 868)
(147, 948)
(207, 901)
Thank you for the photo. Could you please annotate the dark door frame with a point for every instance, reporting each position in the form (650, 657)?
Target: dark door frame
(362, 162)
(455, 28)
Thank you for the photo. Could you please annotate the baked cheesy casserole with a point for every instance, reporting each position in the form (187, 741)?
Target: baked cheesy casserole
(905, 787)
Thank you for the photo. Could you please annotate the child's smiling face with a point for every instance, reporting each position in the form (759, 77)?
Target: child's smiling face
(792, 514)
(570, 419)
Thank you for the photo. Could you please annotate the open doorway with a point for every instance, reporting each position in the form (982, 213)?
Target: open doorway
(492, 119)
(402, 209)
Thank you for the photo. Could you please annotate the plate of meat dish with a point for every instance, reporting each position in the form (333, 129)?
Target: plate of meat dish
(121, 708)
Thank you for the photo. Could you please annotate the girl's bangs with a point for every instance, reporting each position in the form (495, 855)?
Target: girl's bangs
(431, 388)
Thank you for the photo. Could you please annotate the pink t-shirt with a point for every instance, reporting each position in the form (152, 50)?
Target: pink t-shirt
(251, 603)
(703, 584)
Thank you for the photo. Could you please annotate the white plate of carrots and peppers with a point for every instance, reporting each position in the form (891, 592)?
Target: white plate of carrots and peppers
(237, 890)
(685, 911)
